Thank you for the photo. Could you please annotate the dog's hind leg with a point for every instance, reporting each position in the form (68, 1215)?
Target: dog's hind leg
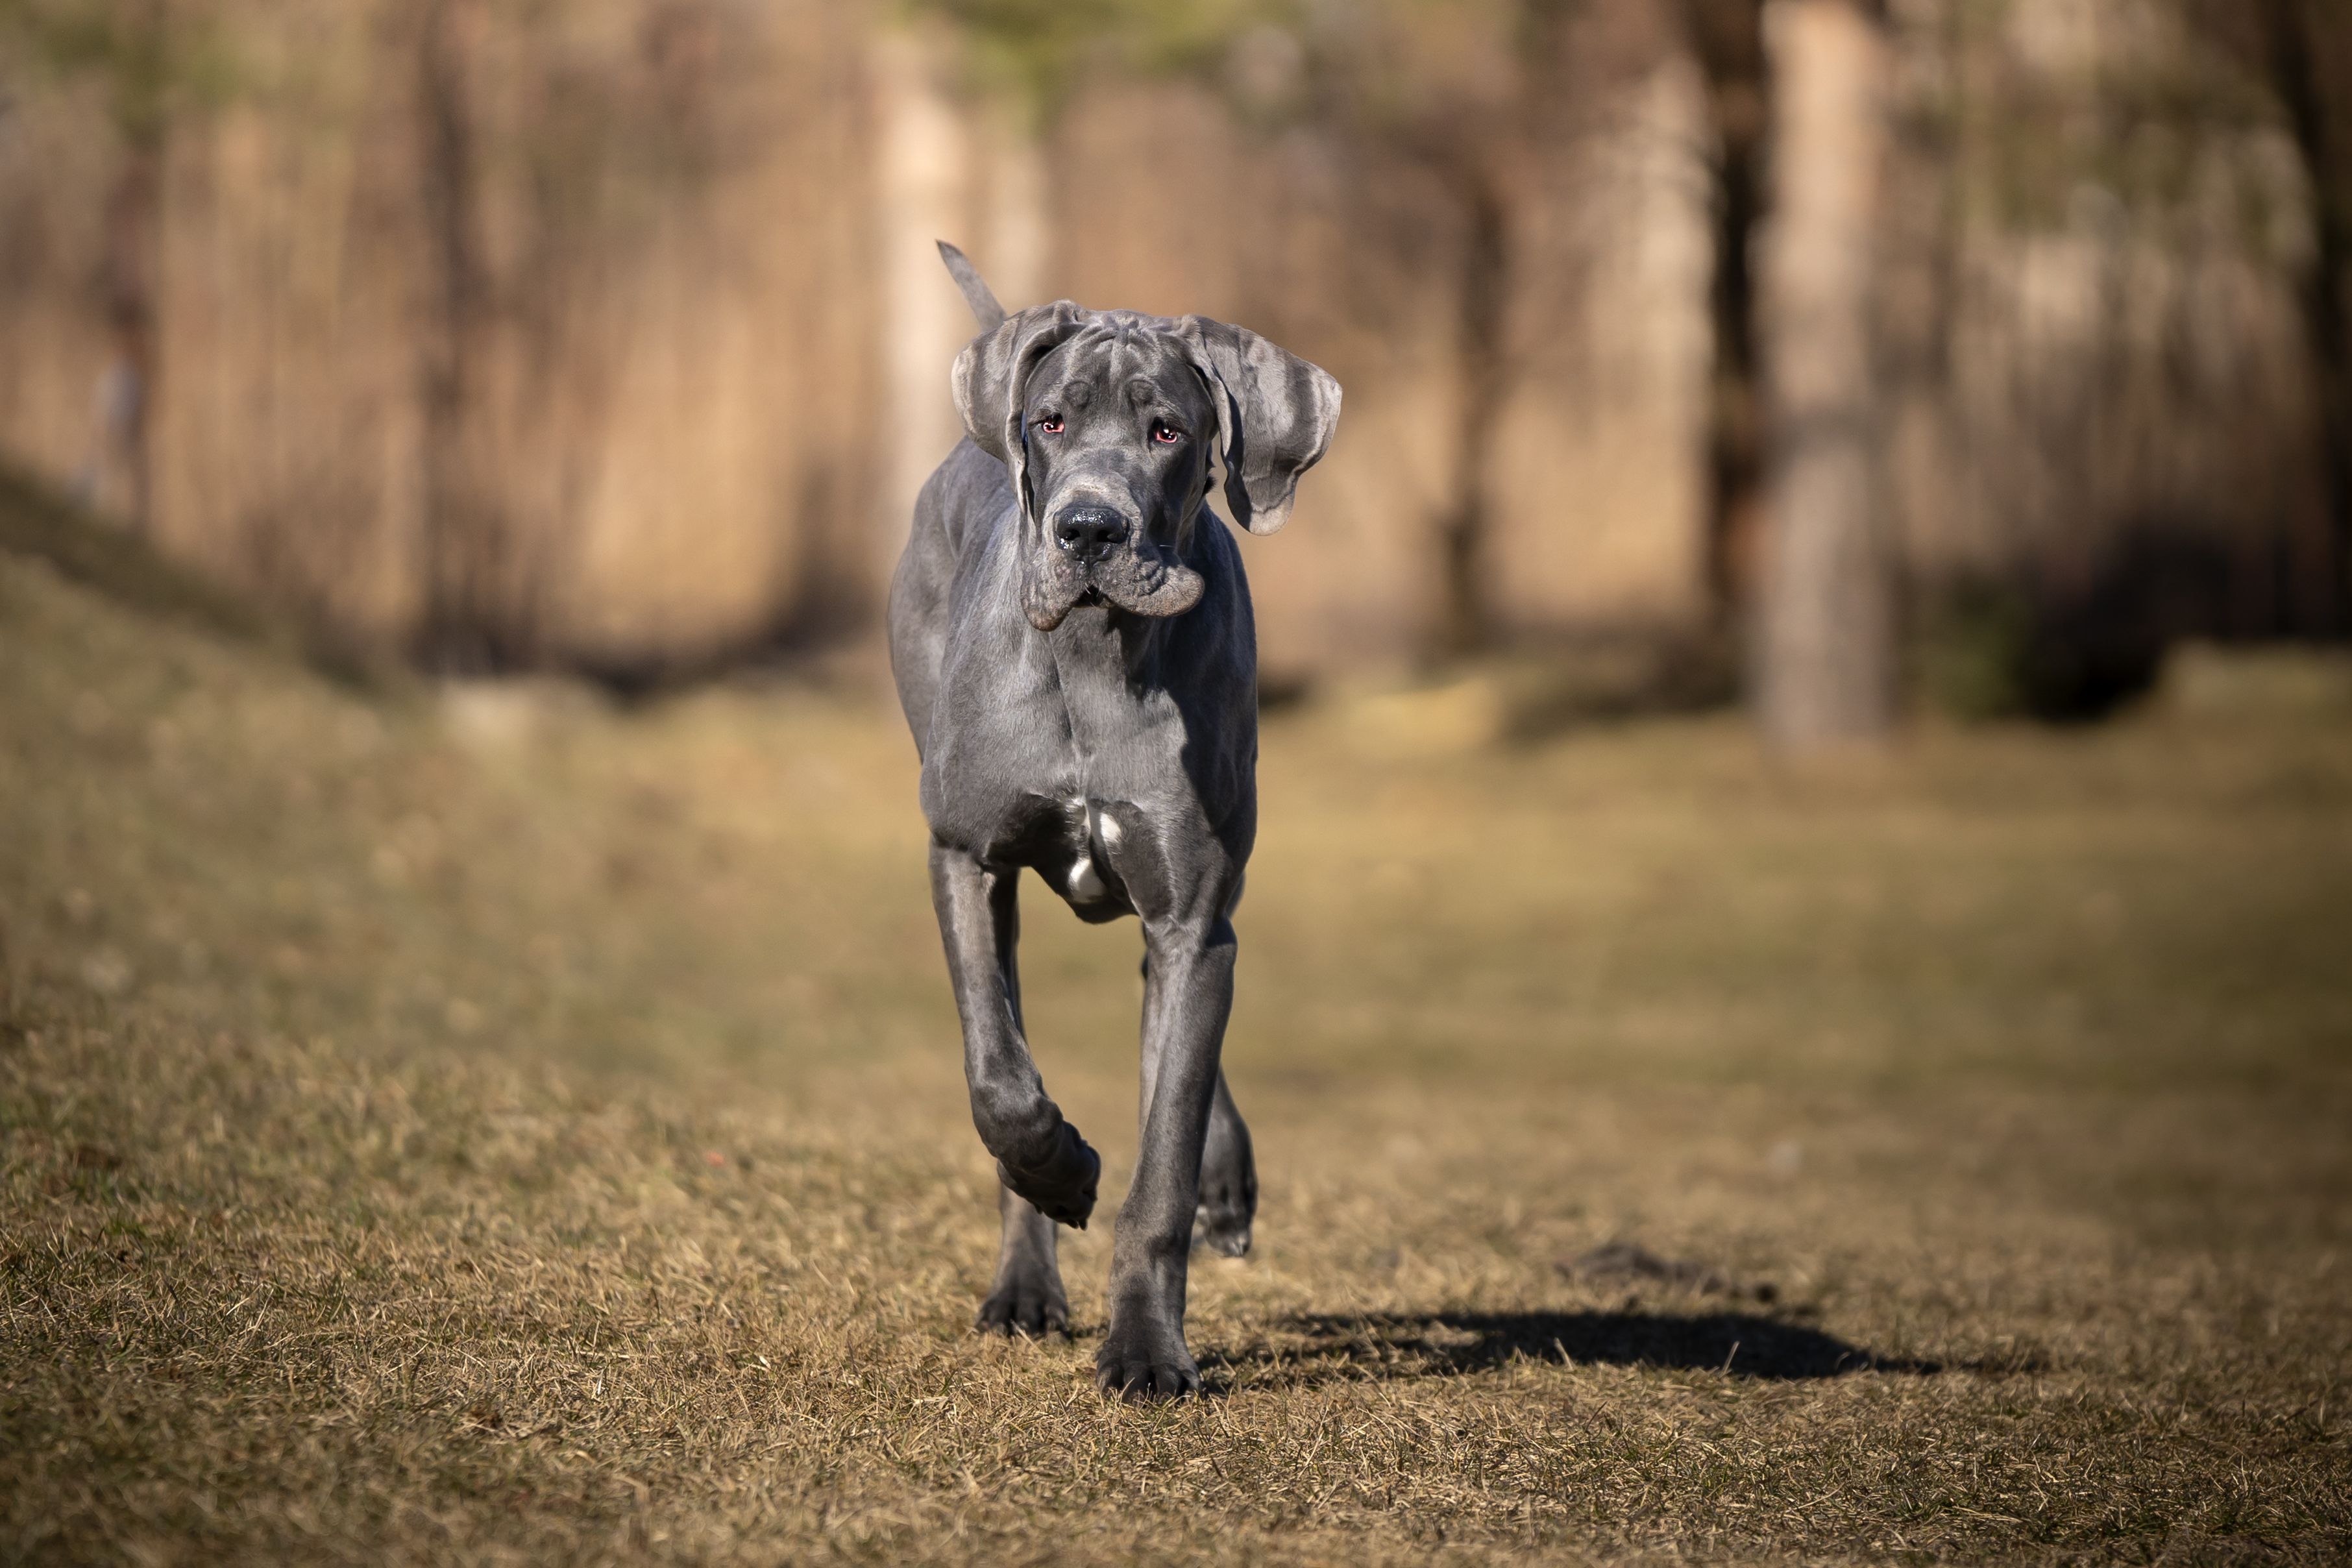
(1028, 1297)
(1039, 1155)
(1228, 1180)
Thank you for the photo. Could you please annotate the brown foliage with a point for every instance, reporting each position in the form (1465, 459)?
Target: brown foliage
(563, 334)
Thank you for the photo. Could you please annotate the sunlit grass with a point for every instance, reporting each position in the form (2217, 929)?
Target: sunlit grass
(507, 1128)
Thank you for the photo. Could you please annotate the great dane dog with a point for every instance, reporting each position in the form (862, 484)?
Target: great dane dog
(1071, 635)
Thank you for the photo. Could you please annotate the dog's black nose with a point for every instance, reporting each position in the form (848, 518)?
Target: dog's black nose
(1089, 533)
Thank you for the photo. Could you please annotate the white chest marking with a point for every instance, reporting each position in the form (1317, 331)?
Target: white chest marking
(1086, 883)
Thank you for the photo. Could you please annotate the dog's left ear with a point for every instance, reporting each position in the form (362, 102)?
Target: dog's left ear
(1275, 414)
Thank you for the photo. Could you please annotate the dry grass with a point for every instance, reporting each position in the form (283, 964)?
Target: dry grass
(512, 1130)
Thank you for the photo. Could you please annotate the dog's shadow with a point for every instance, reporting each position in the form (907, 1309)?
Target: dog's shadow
(1316, 1348)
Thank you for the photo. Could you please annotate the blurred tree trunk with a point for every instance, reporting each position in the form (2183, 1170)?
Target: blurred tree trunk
(923, 165)
(129, 45)
(1016, 220)
(1484, 152)
(1726, 36)
(1822, 669)
(126, 392)
(2303, 50)
(2310, 60)
(459, 632)
(1466, 619)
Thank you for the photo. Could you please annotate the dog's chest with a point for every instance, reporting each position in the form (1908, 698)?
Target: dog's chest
(1033, 766)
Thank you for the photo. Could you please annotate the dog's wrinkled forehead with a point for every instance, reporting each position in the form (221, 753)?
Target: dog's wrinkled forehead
(1132, 370)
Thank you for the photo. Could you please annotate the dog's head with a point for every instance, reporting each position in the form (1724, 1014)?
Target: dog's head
(1108, 422)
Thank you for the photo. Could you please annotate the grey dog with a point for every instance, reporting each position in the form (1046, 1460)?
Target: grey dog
(1072, 639)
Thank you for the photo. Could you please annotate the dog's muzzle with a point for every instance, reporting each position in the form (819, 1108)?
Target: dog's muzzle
(1096, 555)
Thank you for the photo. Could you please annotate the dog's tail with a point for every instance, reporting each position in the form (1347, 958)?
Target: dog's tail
(990, 314)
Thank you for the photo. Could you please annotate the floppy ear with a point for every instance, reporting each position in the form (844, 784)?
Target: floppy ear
(1275, 414)
(989, 377)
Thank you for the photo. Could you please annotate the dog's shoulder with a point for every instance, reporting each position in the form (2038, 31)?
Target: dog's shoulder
(967, 492)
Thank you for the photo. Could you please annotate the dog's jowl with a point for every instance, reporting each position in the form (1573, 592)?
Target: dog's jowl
(1071, 635)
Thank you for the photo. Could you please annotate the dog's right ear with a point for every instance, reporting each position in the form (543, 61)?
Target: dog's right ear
(994, 369)
(991, 374)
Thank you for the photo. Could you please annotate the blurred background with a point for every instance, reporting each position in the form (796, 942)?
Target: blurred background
(1959, 352)
(553, 1070)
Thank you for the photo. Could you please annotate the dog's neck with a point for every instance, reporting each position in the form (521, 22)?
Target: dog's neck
(1100, 640)
(1103, 642)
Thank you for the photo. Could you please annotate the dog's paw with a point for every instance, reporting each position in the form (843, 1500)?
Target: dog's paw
(1062, 1187)
(1228, 1200)
(1141, 1363)
(1221, 1228)
(1024, 1305)
(1228, 1206)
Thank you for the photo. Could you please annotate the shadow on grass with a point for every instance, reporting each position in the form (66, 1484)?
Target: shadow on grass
(1453, 1345)
(108, 557)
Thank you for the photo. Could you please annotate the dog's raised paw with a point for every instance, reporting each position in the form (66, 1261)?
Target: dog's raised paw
(1062, 1187)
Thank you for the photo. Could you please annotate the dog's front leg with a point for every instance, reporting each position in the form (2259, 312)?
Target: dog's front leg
(1188, 995)
(1039, 1155)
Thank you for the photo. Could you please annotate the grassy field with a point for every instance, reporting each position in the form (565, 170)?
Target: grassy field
(493, 1127)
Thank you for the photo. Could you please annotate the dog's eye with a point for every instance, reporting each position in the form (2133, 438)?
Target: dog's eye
(1166, 435)
(1050, 427)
